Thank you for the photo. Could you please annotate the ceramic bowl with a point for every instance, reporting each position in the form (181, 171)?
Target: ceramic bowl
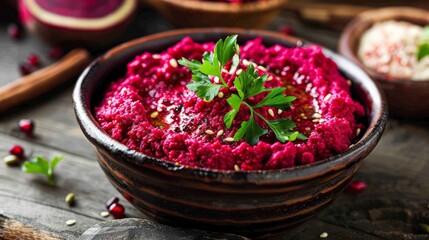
(406, 98)
(191, 13)
(256, 203)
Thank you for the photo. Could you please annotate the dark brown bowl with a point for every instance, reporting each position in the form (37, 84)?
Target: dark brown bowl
(191, 13)
(256, 203)
(406, 98)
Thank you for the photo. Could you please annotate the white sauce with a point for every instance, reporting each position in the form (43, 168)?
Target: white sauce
(389, 48)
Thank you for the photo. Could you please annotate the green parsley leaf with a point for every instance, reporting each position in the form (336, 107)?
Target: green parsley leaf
(235, 102)
(276, 99)
(40, 165)
(211, 68)
(281, 127)
(224, 50)
(204, 89)
(423, 49)
(250, 130)
(193, 65)
(235, 62)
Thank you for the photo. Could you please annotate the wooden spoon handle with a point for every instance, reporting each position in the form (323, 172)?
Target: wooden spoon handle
(43, 80)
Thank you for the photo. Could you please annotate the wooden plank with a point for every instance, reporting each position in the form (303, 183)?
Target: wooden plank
(396, 199)
(29, 199)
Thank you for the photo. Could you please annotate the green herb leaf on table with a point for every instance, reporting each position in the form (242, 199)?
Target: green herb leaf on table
(423, 49)
(248, 84)
(40, 165)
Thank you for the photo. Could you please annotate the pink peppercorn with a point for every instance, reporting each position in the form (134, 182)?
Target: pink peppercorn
(355, 187)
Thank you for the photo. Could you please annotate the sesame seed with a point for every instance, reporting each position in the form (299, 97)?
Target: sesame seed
(109, 102)
(349, 82)
(236, 167)
(220, 133)
(123, 90)
(154, 114)
(245, 62)
(238, 72)
(104, 214)
(11, 160)
(224, 70)
(358, 131)
(229, 139)
(254, 64)
(156, 56)
(327, 97)
(271, 112)
(316, 120)
(209, 132)
(177, 163)
(71, 222)
(279, 111)
(173, 63)
(262, 68)
(216, 79)
(323, 235)
(270, 78)
(317, 115)
(220, 94)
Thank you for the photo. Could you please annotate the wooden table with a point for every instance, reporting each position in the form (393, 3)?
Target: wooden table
(392, 207)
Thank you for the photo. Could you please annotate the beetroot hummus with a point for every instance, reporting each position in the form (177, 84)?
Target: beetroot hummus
(151, 110)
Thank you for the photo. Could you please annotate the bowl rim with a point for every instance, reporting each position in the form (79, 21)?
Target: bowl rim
(221, 7)
(345, 48)
(355, 153)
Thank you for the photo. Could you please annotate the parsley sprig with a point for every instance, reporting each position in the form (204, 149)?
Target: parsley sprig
(248, 84)
(40, 165)
(423, 49)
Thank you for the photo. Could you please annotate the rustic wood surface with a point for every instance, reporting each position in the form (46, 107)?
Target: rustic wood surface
(397, 171)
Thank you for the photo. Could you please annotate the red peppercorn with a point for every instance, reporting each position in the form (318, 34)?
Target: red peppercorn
(26, 126)
(33, 60)
(117, 211)
(355, 187)
(55, 53)
(111, 201)
(17, 151)
(25, 69)
(287, 30)
(14, 31)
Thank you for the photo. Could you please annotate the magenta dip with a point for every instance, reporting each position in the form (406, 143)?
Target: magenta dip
(151, 110)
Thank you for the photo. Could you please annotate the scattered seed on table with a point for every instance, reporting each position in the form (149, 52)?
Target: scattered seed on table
(323, 235)
(71, 222)
(70, 199)
(11, 160)
(104, 214)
